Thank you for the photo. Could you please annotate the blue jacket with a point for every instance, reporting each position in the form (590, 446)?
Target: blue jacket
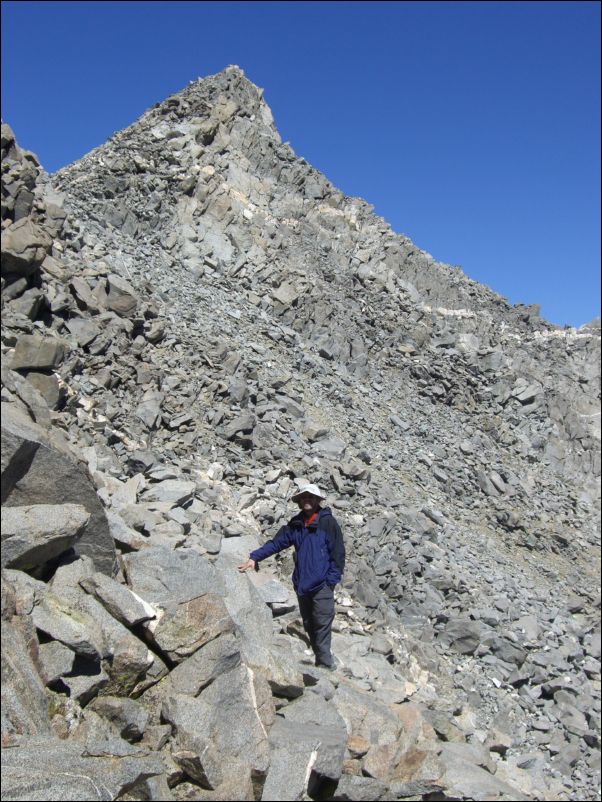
(319, 551)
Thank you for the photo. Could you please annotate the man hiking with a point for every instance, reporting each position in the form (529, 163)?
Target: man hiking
(319, 565)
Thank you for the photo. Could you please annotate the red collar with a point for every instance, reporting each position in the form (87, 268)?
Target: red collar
(311, 518)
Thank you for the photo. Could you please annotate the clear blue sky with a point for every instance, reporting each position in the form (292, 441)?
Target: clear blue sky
(474, 128)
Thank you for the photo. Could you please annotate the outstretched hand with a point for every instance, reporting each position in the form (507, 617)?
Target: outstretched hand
(246, 566)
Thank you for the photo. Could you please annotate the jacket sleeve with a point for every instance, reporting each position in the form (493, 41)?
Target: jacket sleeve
(282, 541)
(337, 552)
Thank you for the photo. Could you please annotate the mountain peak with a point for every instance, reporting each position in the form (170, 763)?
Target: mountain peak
(200, 96)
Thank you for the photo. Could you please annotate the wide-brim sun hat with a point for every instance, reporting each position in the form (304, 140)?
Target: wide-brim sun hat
(313, 489)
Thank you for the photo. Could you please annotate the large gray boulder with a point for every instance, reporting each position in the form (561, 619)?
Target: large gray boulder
(225, 729)
(204, 666)
(118, 599)
(35, 471)
(463, 635)
(253, 620)
(24, 702)
(127, 715)
(37, 353)
(48, 768)
(70, 615)
(121, 296)
(29, 395)
(308, 747)
(35, 534)
(365, 717)
(24, 247)
(464, 779)
(56, 660)
(183, 628)
(164, 577)
(73, 627)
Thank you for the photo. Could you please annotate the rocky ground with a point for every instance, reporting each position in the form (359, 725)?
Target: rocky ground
(195, 320)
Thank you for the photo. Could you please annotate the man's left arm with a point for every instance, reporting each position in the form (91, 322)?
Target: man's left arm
(337, 552)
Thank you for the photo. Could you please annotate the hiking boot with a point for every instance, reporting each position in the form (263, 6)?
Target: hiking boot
(330, 666)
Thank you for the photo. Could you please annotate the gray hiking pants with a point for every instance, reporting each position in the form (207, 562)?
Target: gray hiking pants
(317, 612)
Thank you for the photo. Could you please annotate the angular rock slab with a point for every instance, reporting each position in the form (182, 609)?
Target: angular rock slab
(128, 716)
(173, 490)
(76, 629)
(34, 534)
(56, 660)
(463, 635)
(253, 620)
(78, 620)
(48, 387)
(464, 780)
(294, 753)
(24, 703)
(118, 600)
(189, 625)
(308, 748)
(24, 246)
(164, 577)
(37, 353)
(321, 718)
(121, 296)
(34, 471)
(36, 404)
(364, 716)
(204, 666)
(273, 592)
(45, 769)
(226, 726)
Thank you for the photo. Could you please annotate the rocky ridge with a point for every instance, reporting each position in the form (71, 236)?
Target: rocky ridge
(193, 320)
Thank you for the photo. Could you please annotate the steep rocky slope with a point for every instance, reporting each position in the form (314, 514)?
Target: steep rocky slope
(203, 319)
